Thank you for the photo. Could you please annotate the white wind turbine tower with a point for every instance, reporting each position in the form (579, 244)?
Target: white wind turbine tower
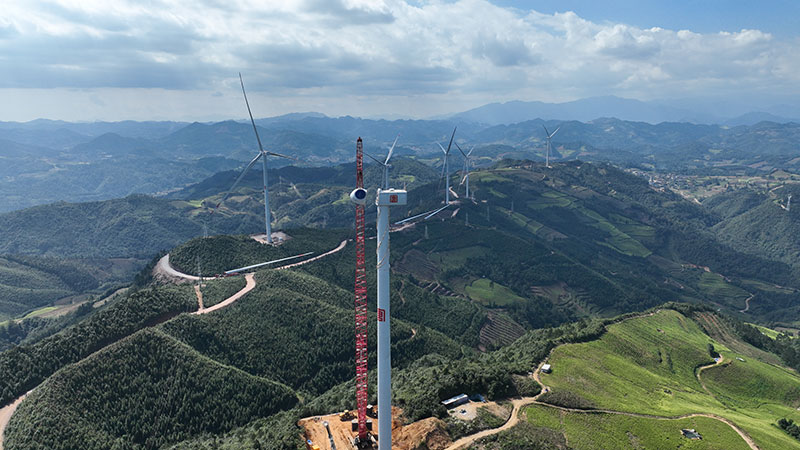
(446, 168)
(467, 162)
(385, 163)
(549, 137)
(789, 203)
(263, 155)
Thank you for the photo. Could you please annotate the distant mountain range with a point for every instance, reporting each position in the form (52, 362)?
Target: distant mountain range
(45, 161)
(589, 109)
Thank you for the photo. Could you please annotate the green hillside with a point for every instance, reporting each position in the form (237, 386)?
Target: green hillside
(25, 366)
(28, 283)
(620, 432)
(585, 240)
(143, 392)
(293, 329)
(649, 365)
(764, 227)
(217, 254)
(133, 226)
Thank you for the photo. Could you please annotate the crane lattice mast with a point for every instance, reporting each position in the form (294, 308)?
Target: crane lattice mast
(361, 305)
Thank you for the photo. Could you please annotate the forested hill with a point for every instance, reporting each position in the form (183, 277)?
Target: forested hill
(137, 225)
(589, 239)
(760, 223)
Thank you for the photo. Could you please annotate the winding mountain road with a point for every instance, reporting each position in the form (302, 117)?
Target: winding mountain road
(747, 303)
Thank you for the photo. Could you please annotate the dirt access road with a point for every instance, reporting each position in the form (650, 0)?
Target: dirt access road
(5, 416)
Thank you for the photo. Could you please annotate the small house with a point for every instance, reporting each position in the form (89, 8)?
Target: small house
(546, 368)
(455, 401)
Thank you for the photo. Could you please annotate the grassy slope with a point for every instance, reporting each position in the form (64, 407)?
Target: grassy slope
(635, 367)
(622, 432)
(493, 294)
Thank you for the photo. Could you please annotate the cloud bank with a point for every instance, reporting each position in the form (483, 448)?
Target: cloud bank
(361, 57)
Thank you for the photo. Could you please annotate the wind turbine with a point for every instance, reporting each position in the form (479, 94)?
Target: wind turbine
(446, 167)
(549, 137)
(385, 163)
(262, 154)
(467, 160)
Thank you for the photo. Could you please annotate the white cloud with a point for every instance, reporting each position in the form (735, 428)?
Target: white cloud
(372, 56)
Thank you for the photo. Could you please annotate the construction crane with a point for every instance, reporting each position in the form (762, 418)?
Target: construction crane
(359, 197)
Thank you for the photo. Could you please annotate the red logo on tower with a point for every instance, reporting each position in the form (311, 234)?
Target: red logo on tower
(393, 198)
(381, 315)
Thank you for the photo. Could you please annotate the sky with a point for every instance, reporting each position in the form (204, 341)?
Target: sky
(179, 60)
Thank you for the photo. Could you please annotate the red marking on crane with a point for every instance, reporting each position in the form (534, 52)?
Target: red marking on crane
(381, 315)
(393, 198)
(361, 305)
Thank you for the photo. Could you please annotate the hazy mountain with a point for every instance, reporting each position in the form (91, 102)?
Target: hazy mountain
(756, 117)
(582, 110)
(701, 111)
(127, 128)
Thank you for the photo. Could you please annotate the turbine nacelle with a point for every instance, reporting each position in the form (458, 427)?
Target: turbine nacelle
(359, 196)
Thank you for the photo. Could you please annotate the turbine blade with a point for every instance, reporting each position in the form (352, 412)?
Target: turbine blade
(282, 156)
(411, 218)
(391, 149)
(470, 150)
(459, 149)
(545, 131)
(230, 272)
(236, 183)
(375, 159)
(440, 146)
(258, 138)
(554, 132)
(436, 212)
(451, 139)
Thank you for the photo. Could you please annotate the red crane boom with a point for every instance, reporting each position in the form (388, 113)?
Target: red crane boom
(361, 305)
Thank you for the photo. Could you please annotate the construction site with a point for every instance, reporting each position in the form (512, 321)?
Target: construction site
(340, 432)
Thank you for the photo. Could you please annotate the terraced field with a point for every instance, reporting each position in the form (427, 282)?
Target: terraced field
(499, 330)
(566, 298)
